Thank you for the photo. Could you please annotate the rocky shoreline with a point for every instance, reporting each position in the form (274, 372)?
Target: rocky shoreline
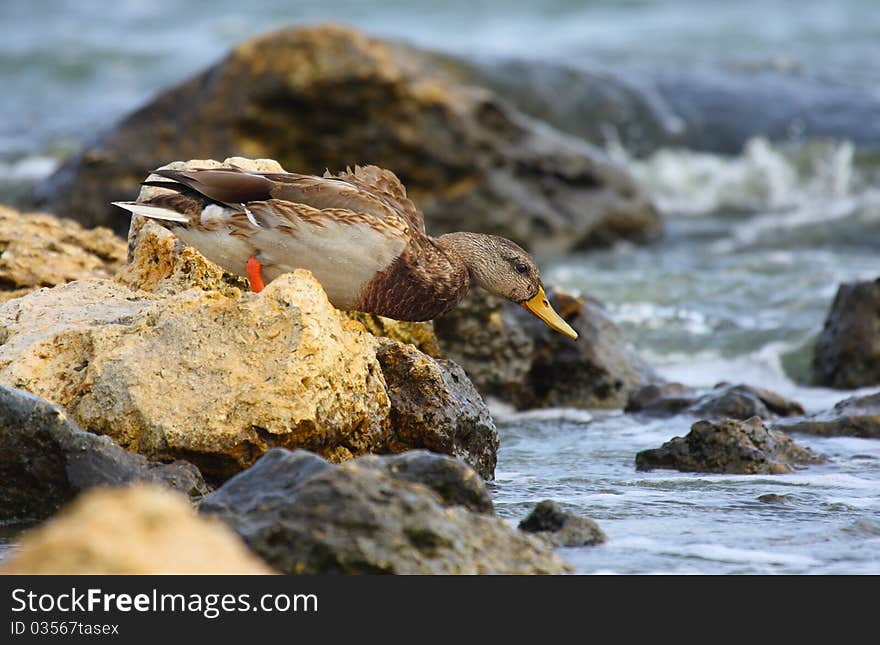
(138, 380)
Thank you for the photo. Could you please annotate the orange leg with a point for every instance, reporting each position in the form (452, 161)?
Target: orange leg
(253, 268)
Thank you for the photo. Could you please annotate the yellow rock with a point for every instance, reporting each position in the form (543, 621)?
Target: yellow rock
(216, 379)
(140, 529)
(41, 250)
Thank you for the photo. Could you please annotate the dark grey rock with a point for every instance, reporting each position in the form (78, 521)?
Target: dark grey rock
(847, 354)
(744, 402)
(723, 401)
(560, 527)
(729, 446)
(855, 417)
(434, 405)
(46, 459)
(453, 480)
(304, 515)
(512, 356)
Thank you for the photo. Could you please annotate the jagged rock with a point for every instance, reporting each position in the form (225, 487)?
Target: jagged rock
(46, 459)
(435, 406)
(729, 446)
(136, 530)
(330, 97)
(512, 356)
(561, 528)
(304, 515)
(856, 417)
(847, 354)
(41, 250)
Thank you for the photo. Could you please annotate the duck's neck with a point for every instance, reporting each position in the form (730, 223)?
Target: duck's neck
(473, 249)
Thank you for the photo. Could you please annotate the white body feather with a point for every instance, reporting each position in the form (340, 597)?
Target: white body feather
(343, 256)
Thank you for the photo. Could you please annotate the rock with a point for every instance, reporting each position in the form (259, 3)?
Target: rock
(744, 402)
(41, 250)
(418, 334)
(729, 446)
(512, 356)
(561, 528)
(304, 515)
(453, 480)
(46, 459)
(330, 97)
(435, 406)
(847, 354)
(213, 379)
(773, 498)
(856, 417)
(135, 530)
(662, 399)
(723, 401)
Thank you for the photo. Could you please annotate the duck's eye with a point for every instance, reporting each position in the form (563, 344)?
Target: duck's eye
(521, 267)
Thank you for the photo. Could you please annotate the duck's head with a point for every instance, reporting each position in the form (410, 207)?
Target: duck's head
(503, 268)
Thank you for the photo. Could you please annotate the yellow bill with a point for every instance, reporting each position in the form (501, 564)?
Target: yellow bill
(540, 307)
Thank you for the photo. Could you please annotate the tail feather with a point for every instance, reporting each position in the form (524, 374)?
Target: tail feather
(153, 212)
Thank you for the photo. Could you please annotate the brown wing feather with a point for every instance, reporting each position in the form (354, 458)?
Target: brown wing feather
(225, 185)
(385, 185)
(370, 190)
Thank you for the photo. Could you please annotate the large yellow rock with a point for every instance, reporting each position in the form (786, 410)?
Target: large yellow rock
(216, 379)
(41, 250)
(141, 529)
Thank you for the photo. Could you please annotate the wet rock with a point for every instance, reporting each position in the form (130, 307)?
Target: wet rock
(847, 354)
(330, 97)
(773, 498)
(41, 250)
(855, 417)
(136, 530)
(304, 515)
(744, 402)
(730, 446)
(662, 399)
(561, 528)
(435, 406)
(46, 459)
(512, 356)
(723, 401)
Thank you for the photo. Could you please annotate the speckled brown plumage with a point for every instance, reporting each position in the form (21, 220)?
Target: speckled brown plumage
(357, 232)
(408, 290)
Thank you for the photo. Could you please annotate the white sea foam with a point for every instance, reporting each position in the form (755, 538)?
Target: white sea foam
(764, 177)
(27, 169)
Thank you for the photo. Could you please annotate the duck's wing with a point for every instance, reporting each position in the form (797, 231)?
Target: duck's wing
(231, 216)
(384, 185)
(368, 190)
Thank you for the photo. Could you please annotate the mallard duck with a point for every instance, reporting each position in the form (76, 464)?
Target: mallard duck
(357, 232)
